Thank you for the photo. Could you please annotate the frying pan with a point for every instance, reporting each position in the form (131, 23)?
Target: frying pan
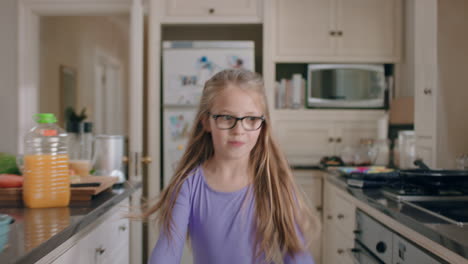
(429, 177)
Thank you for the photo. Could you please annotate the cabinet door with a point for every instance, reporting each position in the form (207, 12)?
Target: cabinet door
(368, 28)
(337, 246)
(304, 28)
(425, 68)
(310, 183)
(304, 141)
(349, 133)
(211, 8)
(339, 211)
(338, 231)
(72, 255)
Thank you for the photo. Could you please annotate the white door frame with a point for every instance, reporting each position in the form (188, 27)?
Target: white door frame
(153, 182)
(29, 12)
(101, 116)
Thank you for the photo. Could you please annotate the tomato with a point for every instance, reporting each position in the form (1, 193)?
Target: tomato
(10, 181)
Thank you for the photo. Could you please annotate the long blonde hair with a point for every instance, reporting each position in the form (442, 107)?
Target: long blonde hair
(280, 207)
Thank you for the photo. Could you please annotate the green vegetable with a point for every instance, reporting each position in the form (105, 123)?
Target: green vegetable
(8, 164)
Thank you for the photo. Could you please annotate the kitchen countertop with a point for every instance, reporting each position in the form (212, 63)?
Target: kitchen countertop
(450, 236)
(36, 232)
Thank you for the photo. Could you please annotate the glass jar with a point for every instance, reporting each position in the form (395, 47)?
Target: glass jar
(80, 142)
(406, 149)
(381, 151)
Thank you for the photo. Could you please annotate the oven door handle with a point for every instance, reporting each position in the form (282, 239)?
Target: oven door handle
(353, 251)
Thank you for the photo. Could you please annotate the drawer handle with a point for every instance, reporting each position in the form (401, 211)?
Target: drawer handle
(340, 216)
(357, 232)
(100, 250)
(122, 227)
(319, 208)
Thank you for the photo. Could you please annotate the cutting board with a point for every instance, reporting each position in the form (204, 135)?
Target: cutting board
(77, 193)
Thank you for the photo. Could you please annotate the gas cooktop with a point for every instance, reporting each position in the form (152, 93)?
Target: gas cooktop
(448, 204)
(413, 192)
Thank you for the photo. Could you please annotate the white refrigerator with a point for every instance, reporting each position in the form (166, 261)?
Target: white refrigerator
(186, 66)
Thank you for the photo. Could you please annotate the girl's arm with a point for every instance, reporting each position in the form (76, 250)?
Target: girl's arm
(170, 251)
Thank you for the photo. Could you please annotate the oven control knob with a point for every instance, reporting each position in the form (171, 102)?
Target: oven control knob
(381, 247)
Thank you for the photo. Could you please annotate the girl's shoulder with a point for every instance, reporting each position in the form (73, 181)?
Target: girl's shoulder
(194, 178)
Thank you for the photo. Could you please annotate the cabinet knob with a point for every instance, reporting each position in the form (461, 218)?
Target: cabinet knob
(340, 216)
(319, 208)
(427, 91)
(100, 250)
(331, 140)
(332, 33)
(339, 33)
(122, 227)
(340, 251)
(338, 140)
(211, 10)
(329, 217)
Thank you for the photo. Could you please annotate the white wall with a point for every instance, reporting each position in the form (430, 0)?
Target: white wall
(8, 76)
(75, 42)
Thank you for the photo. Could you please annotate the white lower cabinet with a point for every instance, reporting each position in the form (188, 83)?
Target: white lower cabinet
(107, 241)
(337, 246)
(339, 226)
(310, 183)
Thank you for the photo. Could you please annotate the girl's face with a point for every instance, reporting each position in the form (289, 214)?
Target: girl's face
(237, 142)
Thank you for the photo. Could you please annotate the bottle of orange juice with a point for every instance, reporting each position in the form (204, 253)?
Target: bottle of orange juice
(46, 176)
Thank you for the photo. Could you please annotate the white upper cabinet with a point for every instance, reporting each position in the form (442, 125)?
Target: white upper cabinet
(425, 67)
(216, 11)
(368, 28)
(337, 30)
(304, 28)
(425, 79)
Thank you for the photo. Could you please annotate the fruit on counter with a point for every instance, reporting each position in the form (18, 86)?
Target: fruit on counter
(8, 164)
(10, 180)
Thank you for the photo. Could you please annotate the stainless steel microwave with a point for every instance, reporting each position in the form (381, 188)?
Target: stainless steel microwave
(345, 86)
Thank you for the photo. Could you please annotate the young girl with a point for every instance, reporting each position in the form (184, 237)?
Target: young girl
(233, 192)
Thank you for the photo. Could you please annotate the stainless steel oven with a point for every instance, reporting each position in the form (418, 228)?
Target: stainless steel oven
(376, 243)
(362, 255)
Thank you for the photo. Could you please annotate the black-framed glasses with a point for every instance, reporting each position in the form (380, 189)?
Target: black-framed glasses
(249, 123)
